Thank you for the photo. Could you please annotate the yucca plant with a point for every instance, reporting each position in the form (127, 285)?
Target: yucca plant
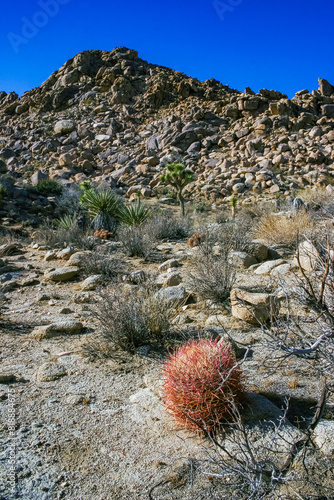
(102, 208)
(134, 215)
(67, 222)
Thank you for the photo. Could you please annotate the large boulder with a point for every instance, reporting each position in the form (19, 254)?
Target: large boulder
(253, 307)
(308, 256)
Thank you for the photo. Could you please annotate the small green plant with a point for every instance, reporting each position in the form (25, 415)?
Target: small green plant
(85, 186)
(202, 384)
(178, 176)
(233, 202)
(102, 208)
(48, 186)
(67, 222)
(133, 215)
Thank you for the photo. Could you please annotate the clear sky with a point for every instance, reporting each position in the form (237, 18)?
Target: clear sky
(276, 44)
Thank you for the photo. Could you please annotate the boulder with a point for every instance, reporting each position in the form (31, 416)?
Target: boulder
(308, 256)
(59, 326)
(325, 88)
(173, 295)
(253, 307)
(48, 372)
(64, 127)
(38, 177)
(268, 266)
(92, 282)
(62, 274)
(323, 437)
(242, 259)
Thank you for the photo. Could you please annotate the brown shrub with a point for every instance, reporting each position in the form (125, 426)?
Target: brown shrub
(284, 229)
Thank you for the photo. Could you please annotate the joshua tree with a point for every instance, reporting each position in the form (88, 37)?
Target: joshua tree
(178, 176)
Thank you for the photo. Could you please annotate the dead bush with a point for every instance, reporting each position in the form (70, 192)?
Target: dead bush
(284, 229)
(59, 237)
(102, 262)
(133, 317)
(137, 241)
(211, 276)
(166, 227)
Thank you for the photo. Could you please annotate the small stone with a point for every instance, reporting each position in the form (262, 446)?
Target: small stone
(92, 282)
(64, 127)
(62, 274)
(48, 372)
(60, 326)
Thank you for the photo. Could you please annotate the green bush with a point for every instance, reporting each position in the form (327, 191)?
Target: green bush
(48, 186)
(133, 215)
(102, 208)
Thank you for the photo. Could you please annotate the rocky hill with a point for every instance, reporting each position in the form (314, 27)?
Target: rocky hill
(116, 119)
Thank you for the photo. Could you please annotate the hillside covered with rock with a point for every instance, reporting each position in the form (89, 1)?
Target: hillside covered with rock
(117, 120)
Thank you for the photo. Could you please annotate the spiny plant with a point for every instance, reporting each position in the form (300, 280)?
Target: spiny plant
(102, 208)
(178, 176)
(67, 222)
(133, 215)
(202, 384)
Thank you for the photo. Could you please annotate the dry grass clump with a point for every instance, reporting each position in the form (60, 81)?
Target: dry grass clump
(60, 237)
(102, 262)
(284, 229)
(212, 276)
(318, 199)
(133, 317)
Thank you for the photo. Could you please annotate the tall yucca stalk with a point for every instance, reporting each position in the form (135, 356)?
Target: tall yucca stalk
(102, 208)
(134, 215)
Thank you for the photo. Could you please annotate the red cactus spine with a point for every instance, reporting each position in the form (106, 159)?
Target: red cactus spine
(202, 384)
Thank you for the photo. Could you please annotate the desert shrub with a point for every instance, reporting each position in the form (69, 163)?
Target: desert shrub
(133, 215)
(166, 227)
(131, 318)
(57, 237)
(233, 235)
(102, 262)
(318, 199)
(68, 202)
(284, 229)
(48, 186)
(2, 192)
(102, 208)
(211, 276)
(136, 240)
(201, 384)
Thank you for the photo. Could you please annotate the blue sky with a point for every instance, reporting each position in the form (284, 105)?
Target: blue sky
(277, 44)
